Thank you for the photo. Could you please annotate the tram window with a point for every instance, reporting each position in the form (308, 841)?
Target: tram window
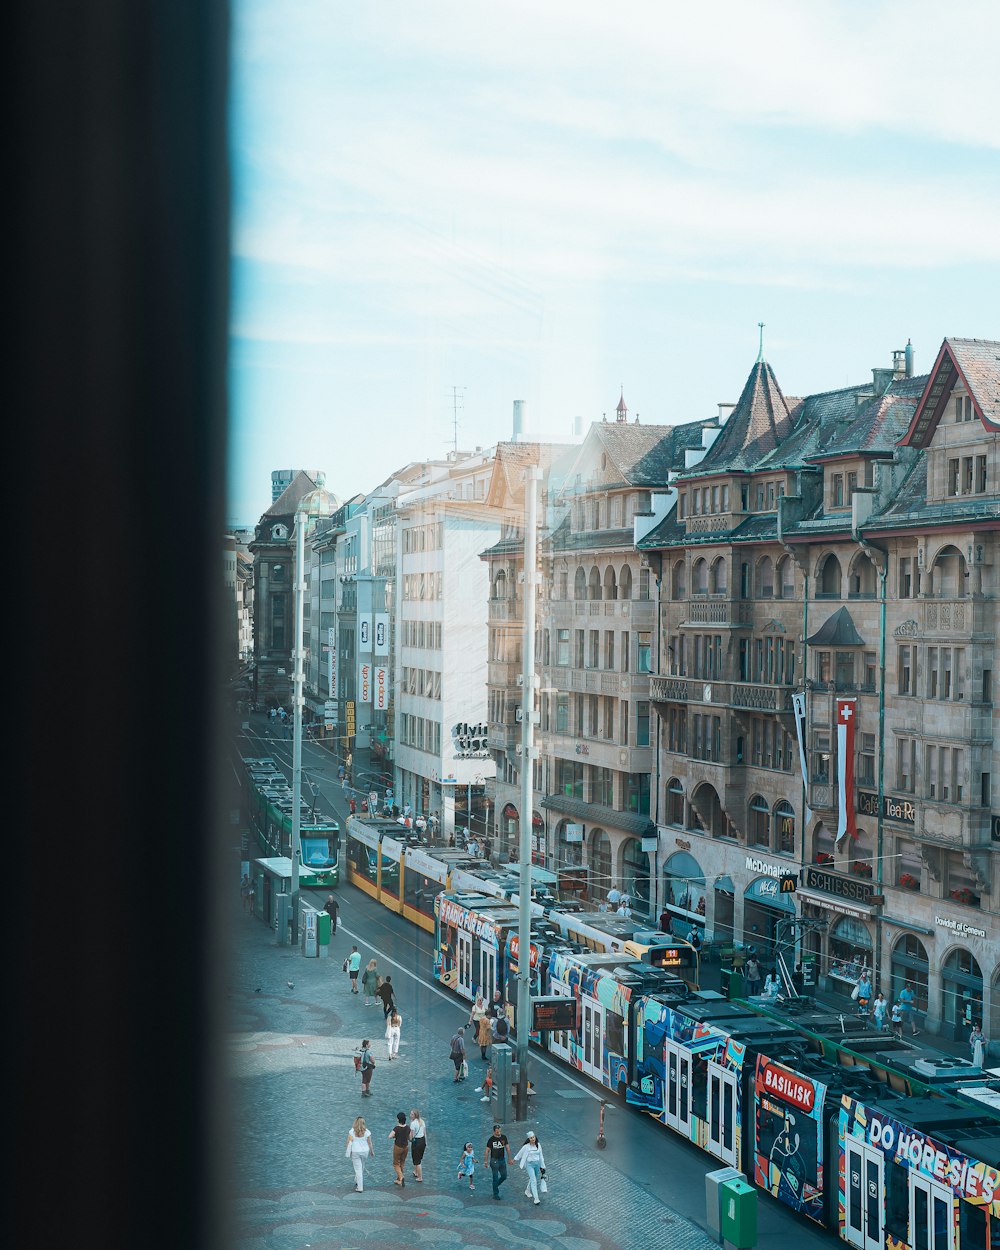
(897, 1200)
(699, 1086)
(921, 1231)
(973, 1223)
(614, 1032)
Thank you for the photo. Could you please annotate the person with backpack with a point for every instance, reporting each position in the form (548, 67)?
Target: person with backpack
(367, 1067)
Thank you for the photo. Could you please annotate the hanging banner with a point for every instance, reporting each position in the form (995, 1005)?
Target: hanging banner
(364, 683)
(799, 707)
(364, 632)
(846, 716)
(381, 633)
(333, 691)
(381, 676)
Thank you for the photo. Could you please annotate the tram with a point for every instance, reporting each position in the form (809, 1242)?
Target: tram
(269, 811)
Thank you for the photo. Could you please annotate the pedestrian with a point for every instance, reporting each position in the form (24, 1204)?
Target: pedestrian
(392, 1027)
(467, 1164)
(498, 1156)
(614, 898)
(498, 1007)
(501, 1029)
(385, 993)
(480, 1008)
(418, 1144)
(977, 1044)
(330, 907)
(772, 985)
(906, 1001)
(367, 1067)
(751, 971)
(864, 993)
(694, 937)
(354, 967)
(369, 982)
(531, 1160)
(485, 1038)
(399, 1134)
(486, 1089)
(457, 1054)
(879, 1009)
(897, 1019)
(353, 806)
(359, 1148)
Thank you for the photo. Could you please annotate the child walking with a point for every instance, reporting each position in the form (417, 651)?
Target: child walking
(467, 1164)
(486, 1089)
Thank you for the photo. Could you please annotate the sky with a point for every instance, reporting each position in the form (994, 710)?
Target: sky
(440, 208)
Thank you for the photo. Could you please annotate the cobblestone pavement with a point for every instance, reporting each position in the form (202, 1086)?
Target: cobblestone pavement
(293, 1029)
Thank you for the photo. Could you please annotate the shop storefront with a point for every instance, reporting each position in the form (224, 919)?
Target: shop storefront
(848, 905)
(910, 966)
(569, 845)
(635, 875)
(684, 893)
(724, 918)
(600, 865)
(764, 907)
(851, 952)
(961, 993)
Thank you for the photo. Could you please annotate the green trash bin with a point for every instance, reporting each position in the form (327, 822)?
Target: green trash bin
(738, 1217)
(733, 985)
(323, 934)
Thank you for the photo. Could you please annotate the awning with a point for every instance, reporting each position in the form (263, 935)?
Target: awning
(837, 631)
(629, 822)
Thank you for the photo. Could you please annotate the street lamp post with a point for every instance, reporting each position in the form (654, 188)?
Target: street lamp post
(298, 678)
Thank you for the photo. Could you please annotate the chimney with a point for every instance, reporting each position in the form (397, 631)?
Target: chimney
(908, 356)
(520, 418)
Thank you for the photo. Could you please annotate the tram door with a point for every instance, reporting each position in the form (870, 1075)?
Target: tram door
(592, 1037)
(863, 1223)
(487, 971)
(677, 1092)
(722, 1113)
(560, 1040)
(932, 1219)
(463, 955)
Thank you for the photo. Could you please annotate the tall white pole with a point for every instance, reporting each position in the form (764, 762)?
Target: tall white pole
(298, 678)
(531, 477)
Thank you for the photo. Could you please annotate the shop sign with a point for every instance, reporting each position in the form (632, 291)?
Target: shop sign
(469, 741)
(839, 886)
(902, 810)
(959, 927)
(451, 913)
(763, 868)
(831, 904)
(788, 1086)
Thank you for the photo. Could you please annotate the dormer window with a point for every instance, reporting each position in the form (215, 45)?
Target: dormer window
(838, 490)
(963, 408)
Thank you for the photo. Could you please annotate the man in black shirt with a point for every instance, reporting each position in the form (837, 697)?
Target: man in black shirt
(384, 992)
(498, 1154)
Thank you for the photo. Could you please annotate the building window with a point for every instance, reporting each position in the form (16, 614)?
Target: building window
(980, 474)
(642, 724)
(904, 668)
(837, 497)
(784, 828)
(675, 802)
(906, 764)
(953, 477)
(643, 651)
(906, 577)
(760, 822)
(821, 757)
(866, 760)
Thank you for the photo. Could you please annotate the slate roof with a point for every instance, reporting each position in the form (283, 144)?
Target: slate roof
(645, 455)
(876, 426)
(977, 361)
(909, 506)
(761, 419)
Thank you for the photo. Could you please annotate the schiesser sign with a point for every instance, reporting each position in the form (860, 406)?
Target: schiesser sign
(840, 887)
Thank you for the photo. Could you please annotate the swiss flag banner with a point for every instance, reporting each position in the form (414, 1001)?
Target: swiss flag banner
(846, 716)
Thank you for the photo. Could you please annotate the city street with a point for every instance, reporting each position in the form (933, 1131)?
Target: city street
(293, 1030)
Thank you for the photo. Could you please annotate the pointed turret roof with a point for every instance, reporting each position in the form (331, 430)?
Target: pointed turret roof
(758, 423)
(621, 410)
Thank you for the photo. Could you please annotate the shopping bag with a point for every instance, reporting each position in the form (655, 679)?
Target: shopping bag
(465, 1069)
(854, 993)
(357, 1062)
(543, 1186)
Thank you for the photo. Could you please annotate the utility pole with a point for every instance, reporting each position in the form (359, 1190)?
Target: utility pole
(532, 475)
(298, 678)
(456, 403)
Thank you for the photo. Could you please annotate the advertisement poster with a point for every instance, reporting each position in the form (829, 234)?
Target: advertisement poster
(788, 1138)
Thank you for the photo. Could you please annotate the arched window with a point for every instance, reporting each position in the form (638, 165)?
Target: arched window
(760, 822)
(580, 584)
(610, 583)
(707, 813)
(765, 578)
(564, 584)
(784, 574)
(595, 584)
(635, 874)
(910, 966)
(625, 583)
(784, 827)
(679, 581)
(675, 802)
(863, 579)
(829, 578)
(500, 585)
(719, 581)
(699, 578)
(950, 574)
(961, 989)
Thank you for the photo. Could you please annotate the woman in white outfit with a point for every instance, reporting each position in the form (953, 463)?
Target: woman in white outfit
(531, 1160)
(359, 1148)
(392, 1027)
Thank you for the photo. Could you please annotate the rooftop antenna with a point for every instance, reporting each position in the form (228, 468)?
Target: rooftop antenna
(760, 349)
(456, 403)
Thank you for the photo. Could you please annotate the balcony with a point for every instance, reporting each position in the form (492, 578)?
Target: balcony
(725, 613)
(505, 609)
(758, 697)
(949, 618)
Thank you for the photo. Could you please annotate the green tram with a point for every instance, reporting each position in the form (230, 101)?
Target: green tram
(269, 812)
